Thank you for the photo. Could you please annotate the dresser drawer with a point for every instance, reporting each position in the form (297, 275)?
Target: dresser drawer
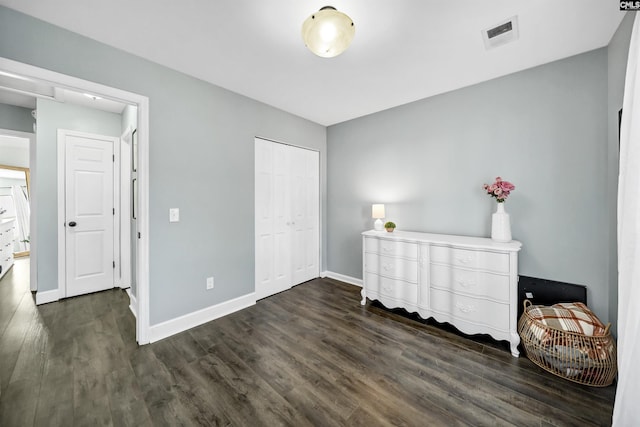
(6, 239)
(395, 268)
(481, 312)
(395, 289)
(474, 283)
(490, 261)
(391, 248)
(7, 236)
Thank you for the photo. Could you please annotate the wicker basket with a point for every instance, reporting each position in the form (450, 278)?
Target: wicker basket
(589, 360)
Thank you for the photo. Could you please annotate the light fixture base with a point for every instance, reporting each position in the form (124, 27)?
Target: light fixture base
(378, 225)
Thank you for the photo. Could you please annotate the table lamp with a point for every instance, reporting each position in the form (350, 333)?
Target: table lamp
(377, 211)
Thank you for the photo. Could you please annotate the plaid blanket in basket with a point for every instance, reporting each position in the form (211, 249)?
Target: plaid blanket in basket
(571, 317)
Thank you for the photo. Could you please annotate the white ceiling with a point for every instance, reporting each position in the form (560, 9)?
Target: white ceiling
(403, 50)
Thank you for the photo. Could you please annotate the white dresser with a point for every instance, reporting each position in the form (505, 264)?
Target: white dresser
(470, 282)
(7, 237)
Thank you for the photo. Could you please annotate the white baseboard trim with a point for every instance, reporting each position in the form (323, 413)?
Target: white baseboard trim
(133, 303)
(44, 297)
(343, 278)
(191, 320)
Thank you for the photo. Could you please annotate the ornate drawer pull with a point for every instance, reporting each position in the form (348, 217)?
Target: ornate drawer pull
(387, 267)
(465, 260)
(387, 249)
(388, 288)
(466, 284)
(465, 308)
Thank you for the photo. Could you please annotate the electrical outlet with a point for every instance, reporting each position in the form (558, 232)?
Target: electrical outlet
(209, 282)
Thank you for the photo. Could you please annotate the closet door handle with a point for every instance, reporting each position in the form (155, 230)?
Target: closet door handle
(72, 224)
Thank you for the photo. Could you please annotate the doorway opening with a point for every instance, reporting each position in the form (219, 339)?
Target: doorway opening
(15, 204)
(45, 230)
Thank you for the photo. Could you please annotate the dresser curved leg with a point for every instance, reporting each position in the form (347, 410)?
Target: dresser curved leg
(515, 340)
(364, 296)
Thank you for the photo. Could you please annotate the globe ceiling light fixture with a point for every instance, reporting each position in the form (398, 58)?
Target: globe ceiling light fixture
(328, 33)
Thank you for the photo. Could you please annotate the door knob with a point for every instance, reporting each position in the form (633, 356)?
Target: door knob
(72, 224)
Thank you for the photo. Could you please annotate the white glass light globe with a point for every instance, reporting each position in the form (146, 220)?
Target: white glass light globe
(328, 33)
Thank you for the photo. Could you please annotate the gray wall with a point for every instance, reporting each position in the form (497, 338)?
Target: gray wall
(201, 155)
(52, 116)
(617, 54)
(16, 118)
(544, 129)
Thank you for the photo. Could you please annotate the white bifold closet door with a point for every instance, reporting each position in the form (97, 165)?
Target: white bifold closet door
(287, 215)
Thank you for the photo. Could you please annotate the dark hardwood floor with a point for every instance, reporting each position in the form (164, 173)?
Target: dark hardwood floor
(308, 356)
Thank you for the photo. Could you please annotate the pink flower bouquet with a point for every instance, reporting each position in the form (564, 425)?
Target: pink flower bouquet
(499, 189)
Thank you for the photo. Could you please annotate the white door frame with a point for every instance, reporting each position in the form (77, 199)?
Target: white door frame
(142, 102)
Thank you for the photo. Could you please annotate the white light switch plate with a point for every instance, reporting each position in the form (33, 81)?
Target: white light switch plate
(174, 215)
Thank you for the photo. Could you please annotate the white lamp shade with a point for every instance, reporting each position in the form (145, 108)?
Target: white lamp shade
(377, 211)
(328, 33)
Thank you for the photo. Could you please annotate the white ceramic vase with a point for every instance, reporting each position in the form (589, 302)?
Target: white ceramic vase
(500, 225)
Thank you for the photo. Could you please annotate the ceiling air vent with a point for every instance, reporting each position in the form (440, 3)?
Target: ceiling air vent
(501, 33)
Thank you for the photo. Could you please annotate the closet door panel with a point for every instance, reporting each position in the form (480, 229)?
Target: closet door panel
(298, 213)
(282, 230)
(313, 211)
(272, 247)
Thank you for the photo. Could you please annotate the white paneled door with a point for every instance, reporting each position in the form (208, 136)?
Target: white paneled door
(89, 212)
(305, 210)
(287, 216)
